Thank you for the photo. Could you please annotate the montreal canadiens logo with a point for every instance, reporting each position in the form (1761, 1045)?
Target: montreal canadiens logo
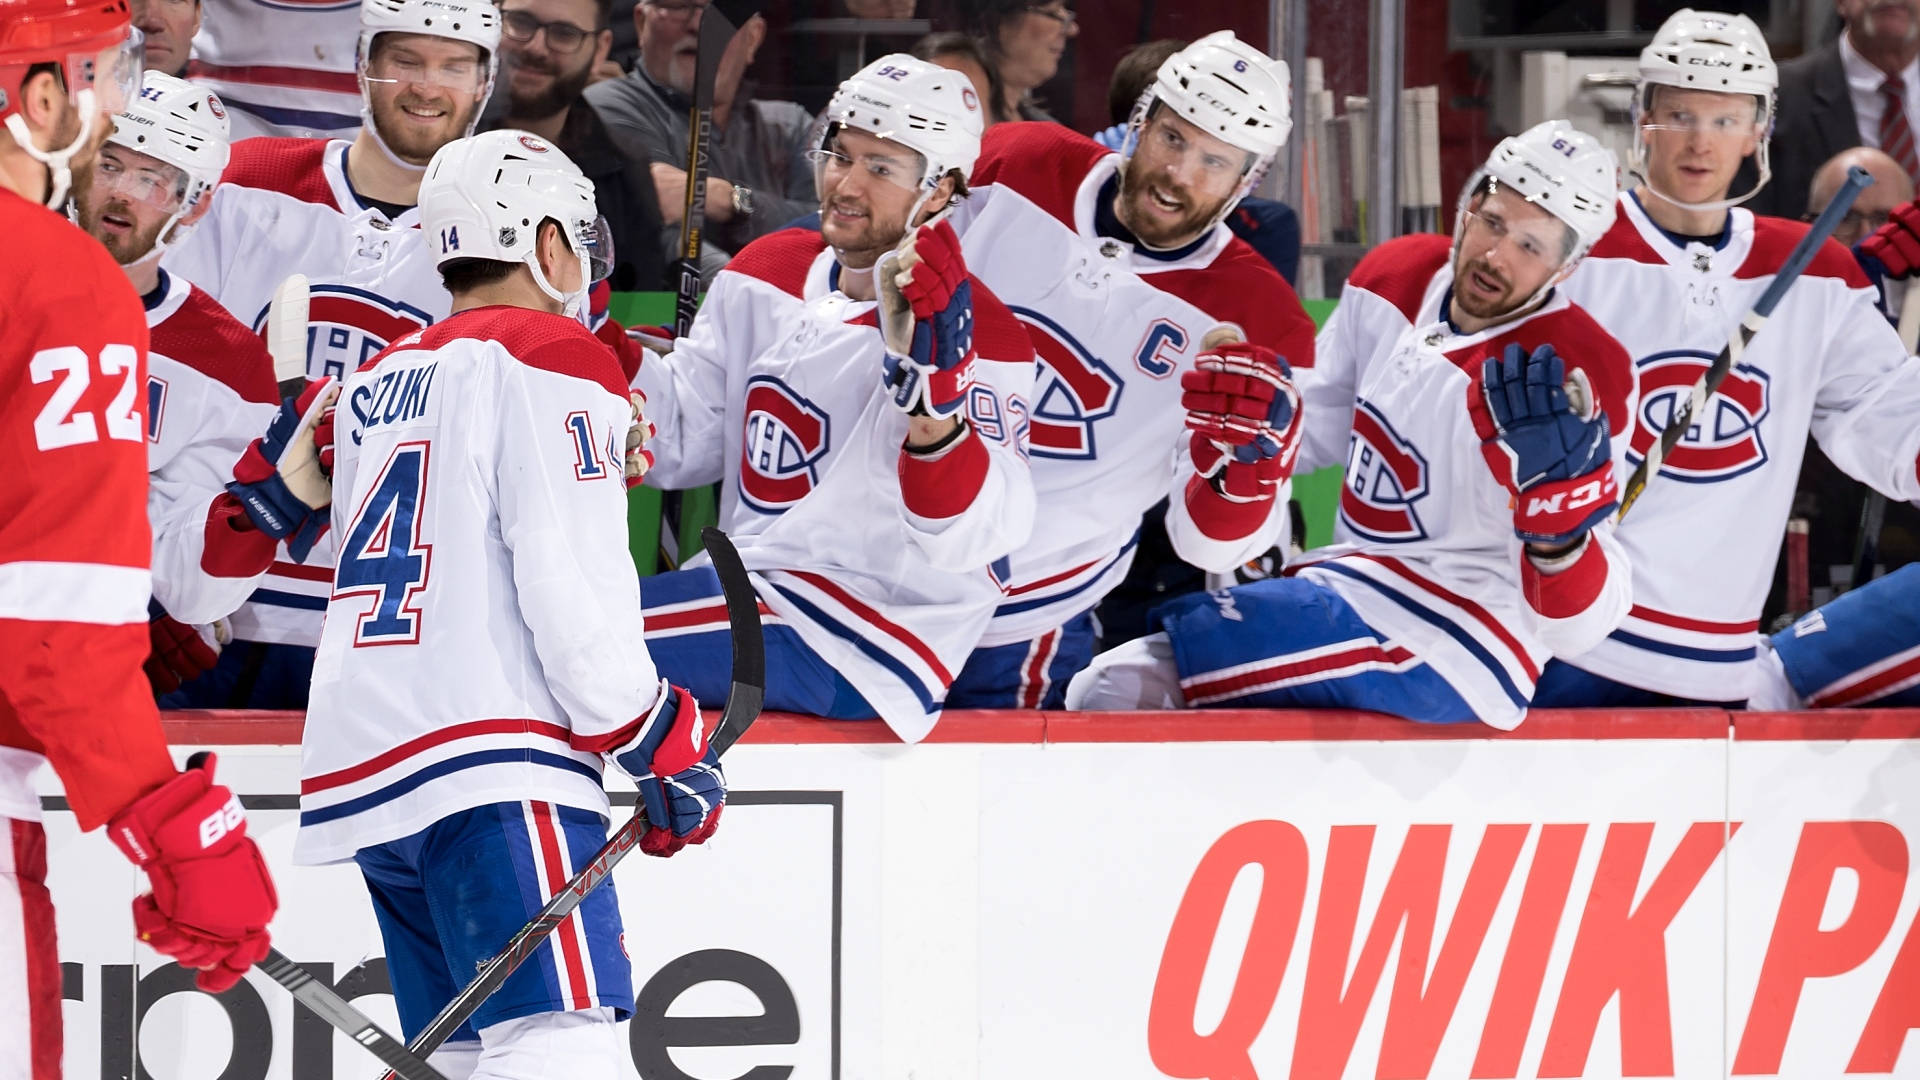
(786, 438)
(1072, 390)
(213, 106)
(533, 144)
(1386, 479)
(346, 327)
(969, 99)
(1724, 441)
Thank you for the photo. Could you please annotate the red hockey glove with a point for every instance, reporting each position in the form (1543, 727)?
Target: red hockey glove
(181, 653)
(212, 897)
(678, 774)
(929, 368)
(1242, 396)
(639, 459)
(1897, 243)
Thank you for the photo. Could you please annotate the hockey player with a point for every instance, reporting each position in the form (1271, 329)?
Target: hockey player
(1473, 538)
(74, 555)
(209, 392)
(342, 214)
(1129, 285)
(868, 485)
(482, 525)
(1680, 268)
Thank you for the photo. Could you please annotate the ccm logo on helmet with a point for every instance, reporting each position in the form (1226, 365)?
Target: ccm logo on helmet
(1709, 61)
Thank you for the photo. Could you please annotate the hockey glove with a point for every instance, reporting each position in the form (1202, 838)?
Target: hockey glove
(212, 897)
(1895, 246)
(681, 785)
(930, 353)
(1244, 412)
(284, 479)
(1559, 462)
(181, 653)
(641, 431)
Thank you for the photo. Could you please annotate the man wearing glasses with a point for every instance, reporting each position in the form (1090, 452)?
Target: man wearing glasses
(758, 176)
(343, 214)
(548, 52)
(1474, 537)
(1681, 267)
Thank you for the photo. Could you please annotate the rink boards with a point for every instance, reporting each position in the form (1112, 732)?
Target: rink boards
(1219, 895)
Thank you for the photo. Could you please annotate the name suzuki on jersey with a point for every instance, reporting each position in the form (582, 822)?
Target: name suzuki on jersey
(398, 396)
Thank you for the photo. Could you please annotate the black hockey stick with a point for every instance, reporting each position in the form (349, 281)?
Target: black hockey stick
(335, 1010)
(715, 31)
(744, 698)
(1857, 181)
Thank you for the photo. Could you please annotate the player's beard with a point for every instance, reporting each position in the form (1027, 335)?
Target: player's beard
(115, 225)
(862, 247)
(1141, 212)
(1471, 301)
(562, 90)
(412, 143)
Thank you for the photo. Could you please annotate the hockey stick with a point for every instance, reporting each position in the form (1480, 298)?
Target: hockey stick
(287, 335)
(715, 31)
(336, 1010)
(744, 699)
(1873, 511)
(1857, 181)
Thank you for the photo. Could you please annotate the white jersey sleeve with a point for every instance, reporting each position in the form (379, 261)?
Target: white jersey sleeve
(686, 393)
(1866, 411)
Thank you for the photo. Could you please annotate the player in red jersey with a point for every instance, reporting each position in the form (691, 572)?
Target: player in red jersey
(74, 553)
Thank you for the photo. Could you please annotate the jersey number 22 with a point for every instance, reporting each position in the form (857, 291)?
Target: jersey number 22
(383, 556)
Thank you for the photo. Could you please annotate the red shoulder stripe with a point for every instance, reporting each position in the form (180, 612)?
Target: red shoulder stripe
(1400, 270)
(1774, 239)
(1044, 162)
(999, 335)
(1242, 288)
(292, 167)
(781, 259)
(204, 337)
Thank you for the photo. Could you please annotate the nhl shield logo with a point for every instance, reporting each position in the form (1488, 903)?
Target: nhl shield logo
(786, 438)
(1386, 479)
(1725, 441)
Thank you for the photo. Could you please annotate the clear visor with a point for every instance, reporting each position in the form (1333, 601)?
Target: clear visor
(1203, 164)
(113, 73)
(832, 167)
(596, 240)
(460, 76)
(1541, 245)
(142, 179)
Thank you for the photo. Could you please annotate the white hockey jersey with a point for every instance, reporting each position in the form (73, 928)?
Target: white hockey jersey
(283, 67)
(1114, 328)
(485, 616)
(210, 392)
(878, 559)
(1705, 535)
(1424, 547)
(286, 206)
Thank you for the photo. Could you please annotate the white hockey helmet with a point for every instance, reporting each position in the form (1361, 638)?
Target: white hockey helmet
(1230, 90)
(484, 197)
(1714, 51)
(1560, 169)
(928, 108)
(475, 21)
(182, 125)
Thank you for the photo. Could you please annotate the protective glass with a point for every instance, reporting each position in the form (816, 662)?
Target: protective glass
(141, 179)
(113, 72)
(460, 76)
(596, 240)
(1541, 245)
(562, 36)
(1214, 167)
(1731, 125)
(830, 167)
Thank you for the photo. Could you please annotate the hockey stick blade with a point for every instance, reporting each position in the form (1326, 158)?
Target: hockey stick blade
(287, 334)
(320, 999)
(1858, 180)
(744, 699)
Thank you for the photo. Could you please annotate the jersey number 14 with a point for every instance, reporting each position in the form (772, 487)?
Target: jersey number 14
(383, 556)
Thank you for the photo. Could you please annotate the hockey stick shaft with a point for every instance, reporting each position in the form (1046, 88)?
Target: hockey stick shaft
(336, 1010)
(744, 699)
(715, 31)
(1857, 181)
(287, 334)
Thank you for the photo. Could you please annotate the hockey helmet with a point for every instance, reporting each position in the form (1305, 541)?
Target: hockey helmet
(930, 109)
(484, 197)
(1714, 51)
(86, 38)
(182, 125)
(474, 21)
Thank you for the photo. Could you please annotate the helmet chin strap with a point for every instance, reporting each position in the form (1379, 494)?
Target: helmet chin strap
(59, 162)
(569, 301)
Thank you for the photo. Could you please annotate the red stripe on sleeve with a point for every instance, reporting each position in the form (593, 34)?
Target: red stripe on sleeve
(1220, 518)
(1569, 592)
(234, 547)
(944, 485)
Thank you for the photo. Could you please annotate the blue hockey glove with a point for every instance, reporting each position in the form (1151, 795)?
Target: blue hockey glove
(929, 371)
(678, 773)
(1560, 462)
(283, 480)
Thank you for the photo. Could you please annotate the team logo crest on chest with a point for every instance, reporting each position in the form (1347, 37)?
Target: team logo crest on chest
(1725, 440)
(785, 441)
(1386, 479)
(347, 326)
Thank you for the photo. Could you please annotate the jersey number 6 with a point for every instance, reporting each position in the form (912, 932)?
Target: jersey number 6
(383, 556)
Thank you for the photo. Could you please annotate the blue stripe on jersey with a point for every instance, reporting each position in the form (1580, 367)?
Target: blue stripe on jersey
(286, 599)
(293, 117)
(1019, 606)
(1465, 639)
(876, 653)
(1684, 652)
(442, 768)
